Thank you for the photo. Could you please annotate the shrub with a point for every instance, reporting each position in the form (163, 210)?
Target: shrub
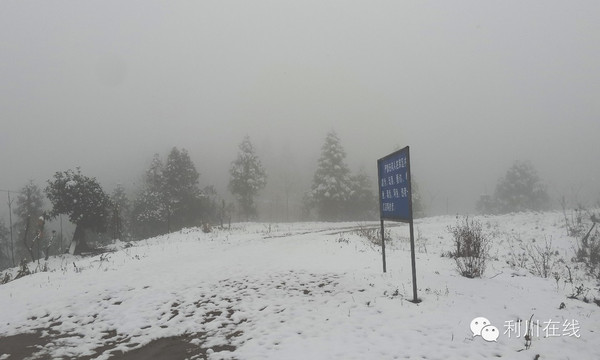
(574, 223)
(540, 260)
(588, 252)
(543, 259)
(23, 270)
(5, 278)
(373, 234)
(471, 247)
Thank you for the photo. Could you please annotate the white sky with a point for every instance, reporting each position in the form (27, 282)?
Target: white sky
(471, 86)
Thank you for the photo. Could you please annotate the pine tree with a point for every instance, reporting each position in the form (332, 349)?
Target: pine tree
(181, 189)
(120, 208)
(248, 177)
(170, 198)
(521, 189)
(362, 204)
(29, 209)
(154, 174)
(5, 247)
(83, 200)
(331, 187)
(150, 210)
(418, 208)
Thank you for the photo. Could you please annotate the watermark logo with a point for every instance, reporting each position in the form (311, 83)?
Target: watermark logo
(481, 326)
(547, 328)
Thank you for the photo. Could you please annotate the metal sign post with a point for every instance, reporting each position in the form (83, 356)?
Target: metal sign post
(395, 200)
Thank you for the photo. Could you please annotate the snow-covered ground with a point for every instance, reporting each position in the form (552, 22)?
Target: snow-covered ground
(308, 291)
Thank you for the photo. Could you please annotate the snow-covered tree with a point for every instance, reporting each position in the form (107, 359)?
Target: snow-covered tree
(150, 205)
(170, 198)
(418, 207)
(521, 189)
(29, 208)
(83, 200)
(362, 203)
(5, 246)
(154, 174)
(248, 177)
(120, 208)
(332, 185)
(182, 192)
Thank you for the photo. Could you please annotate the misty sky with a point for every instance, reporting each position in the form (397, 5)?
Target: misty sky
(471, 86)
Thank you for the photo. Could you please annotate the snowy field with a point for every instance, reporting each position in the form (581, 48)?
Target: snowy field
(305, 291)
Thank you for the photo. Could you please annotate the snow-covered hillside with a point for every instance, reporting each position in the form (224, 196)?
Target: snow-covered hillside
(304, 291)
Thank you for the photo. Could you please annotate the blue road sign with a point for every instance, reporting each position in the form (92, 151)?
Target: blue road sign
(395, 200)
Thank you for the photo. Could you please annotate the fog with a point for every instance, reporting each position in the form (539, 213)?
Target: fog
(470, 86)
